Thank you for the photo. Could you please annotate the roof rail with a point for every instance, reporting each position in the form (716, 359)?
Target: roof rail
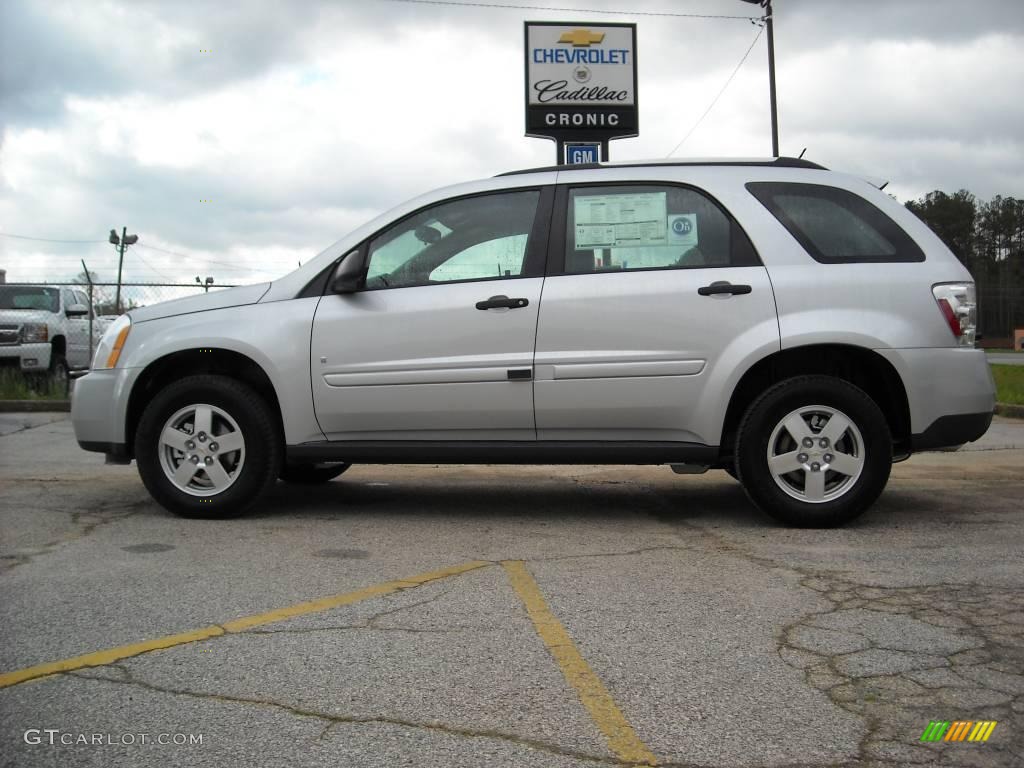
(776, 162)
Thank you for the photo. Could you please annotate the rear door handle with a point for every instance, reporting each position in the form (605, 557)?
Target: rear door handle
(502, 302)
(723, 286)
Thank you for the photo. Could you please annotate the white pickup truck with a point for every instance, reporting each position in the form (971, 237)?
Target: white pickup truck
(44, 329)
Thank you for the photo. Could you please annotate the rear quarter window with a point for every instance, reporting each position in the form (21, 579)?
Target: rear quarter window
(835, 226)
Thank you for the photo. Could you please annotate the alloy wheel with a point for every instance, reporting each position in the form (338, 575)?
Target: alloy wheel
(201, 450)
(816, 454)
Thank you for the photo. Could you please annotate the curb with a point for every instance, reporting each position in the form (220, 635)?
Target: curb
(34, 406)
(1010, 410)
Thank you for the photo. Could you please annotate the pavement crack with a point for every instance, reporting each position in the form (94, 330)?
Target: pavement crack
(362, 627)
(332, 719)
(870, 654)
(83, 524)
(625, 553)
(371, 623)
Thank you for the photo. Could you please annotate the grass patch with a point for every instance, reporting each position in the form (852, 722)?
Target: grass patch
(1009, 383)
(14, 385)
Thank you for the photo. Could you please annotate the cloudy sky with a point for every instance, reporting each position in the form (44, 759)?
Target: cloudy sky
(239, 138)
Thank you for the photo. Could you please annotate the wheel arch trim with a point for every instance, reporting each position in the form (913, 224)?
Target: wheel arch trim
(219, 359)
(849, 362)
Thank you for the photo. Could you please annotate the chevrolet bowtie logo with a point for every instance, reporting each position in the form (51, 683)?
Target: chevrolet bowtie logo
(581, 38)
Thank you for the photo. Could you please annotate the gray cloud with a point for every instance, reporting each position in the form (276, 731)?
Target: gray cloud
(817, 22)
(448, 112)
(40, 62)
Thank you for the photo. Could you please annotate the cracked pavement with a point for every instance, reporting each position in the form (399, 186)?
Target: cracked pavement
(722, 638)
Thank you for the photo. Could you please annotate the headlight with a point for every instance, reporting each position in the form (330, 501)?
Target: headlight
(109, 350)
(34, 332)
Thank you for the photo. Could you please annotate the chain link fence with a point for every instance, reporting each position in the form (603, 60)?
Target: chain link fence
(49, 331)
(1000, 313)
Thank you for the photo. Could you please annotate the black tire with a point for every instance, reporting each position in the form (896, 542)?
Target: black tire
(250, 472)
(58, 377)
(311, 474)
(843, 495)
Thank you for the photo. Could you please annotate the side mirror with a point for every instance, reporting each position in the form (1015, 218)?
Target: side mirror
(77, 310)
(349, 276)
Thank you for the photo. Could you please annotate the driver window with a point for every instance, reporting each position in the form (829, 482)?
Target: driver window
(475, 238)
(501, 257)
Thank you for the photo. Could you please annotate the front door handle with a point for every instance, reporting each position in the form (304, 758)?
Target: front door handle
(502, 302)
(723, 286)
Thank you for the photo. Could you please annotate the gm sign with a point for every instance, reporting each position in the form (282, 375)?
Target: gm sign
(579, 154)
(580, 81)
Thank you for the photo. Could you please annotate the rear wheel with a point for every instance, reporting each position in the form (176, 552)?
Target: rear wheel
(311, 474)
(207, 446)
(814, 451)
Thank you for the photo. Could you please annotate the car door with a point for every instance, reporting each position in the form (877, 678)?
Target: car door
(654, 305)
(438, 344)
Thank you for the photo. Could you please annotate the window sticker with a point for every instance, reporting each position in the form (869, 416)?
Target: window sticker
(621, 221)
(682, 229)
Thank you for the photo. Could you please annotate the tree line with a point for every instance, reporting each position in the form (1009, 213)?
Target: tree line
(988, 238)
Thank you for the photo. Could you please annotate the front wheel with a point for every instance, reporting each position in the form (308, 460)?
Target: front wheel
(59, 373)
(207, 446)
(814, 451)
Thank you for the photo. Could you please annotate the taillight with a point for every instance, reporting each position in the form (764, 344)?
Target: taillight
(959, 307)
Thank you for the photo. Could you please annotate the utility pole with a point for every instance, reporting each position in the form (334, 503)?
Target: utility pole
(771, 80)
(122, 242)
(769, 17)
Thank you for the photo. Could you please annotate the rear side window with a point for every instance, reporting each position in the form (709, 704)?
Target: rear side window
(835, 226)
(626, 228)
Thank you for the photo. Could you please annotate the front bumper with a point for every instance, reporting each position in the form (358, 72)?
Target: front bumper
(32, 357)
(99, 404)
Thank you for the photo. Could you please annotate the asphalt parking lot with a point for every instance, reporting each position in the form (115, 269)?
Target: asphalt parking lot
(506, 616)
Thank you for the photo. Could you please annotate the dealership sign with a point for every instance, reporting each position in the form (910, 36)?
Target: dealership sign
(580, 81)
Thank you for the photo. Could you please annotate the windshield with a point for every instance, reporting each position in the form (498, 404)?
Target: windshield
(28, 297)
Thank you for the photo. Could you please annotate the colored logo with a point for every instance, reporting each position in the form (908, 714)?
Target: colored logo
(958, 730)
(581, 74)
(682, 226)
(581, 38)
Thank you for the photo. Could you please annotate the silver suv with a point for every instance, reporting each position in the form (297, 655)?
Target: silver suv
(795, 327)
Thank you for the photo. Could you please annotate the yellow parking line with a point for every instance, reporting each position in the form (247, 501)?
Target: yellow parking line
(109, 656)
(622, 740)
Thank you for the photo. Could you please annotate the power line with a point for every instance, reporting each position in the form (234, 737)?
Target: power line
(47, 239)
(512, 6)
(223, 264)
(163, 250)
(154, 269)
(715, 100)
